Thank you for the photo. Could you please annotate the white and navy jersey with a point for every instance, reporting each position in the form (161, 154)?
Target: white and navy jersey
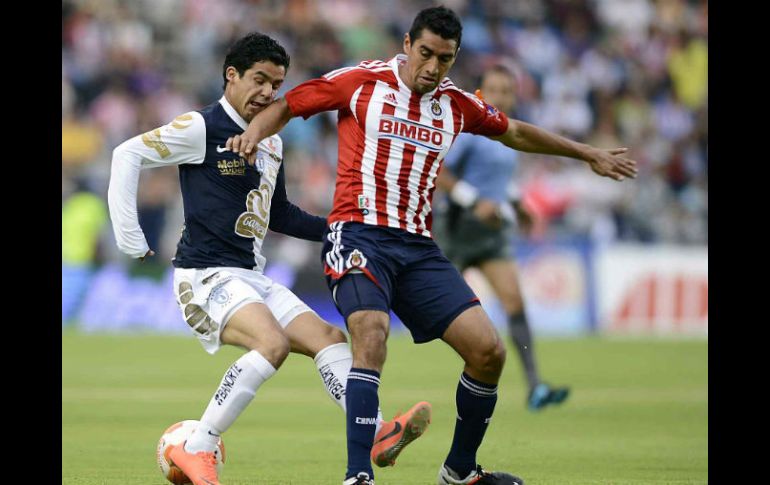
(391, 140)
(228, 204)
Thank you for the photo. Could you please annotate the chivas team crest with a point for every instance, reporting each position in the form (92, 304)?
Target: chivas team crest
(356, 259)
(436, 110)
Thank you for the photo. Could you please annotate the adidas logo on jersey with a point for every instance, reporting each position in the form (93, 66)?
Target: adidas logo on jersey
(390, 98)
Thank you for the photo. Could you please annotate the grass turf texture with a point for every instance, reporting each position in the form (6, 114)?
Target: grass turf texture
(637, 415)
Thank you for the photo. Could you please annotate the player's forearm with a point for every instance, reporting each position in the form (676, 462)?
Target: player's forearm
(293, 221)
(271, 120)
(121, 199)
(529, 138)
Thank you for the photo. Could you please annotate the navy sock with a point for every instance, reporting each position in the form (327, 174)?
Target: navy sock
(362, 404)
(475, 405)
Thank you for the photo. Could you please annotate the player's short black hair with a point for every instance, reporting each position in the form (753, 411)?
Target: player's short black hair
(254, 47)
(439, 20)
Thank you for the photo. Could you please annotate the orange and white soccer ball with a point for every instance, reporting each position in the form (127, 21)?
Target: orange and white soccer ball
(176, 434)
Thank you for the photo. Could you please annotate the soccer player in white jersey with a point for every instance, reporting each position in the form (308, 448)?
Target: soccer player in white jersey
(396, 122)
(218, 277)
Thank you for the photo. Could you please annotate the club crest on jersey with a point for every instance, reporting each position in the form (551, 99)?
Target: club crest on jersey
(436, 110)
(356, 260)
(363, 204)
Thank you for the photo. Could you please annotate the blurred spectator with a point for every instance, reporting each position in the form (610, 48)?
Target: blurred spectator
(84, 217)
(688, 68)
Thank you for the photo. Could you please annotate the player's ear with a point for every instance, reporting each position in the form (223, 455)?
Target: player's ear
(407, 43)
(231, 73)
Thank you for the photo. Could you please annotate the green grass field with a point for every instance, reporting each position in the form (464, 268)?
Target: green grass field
(637, 415)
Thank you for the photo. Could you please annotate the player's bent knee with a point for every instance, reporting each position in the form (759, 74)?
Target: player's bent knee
(274, 346)
(277, 350)
(489, 361)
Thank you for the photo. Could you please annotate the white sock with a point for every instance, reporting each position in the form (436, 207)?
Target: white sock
(334, 363)
(235, 392)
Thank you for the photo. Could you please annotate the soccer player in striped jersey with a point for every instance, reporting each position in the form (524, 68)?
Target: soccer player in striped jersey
(396, 122)
(218, 278)
(475, 229)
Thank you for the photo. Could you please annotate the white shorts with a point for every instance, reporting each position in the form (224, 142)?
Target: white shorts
(209, 297)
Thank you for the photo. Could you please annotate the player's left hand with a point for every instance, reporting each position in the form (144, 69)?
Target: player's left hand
(609, 163)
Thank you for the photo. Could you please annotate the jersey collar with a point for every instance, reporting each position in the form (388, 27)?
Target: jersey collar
(232, 113)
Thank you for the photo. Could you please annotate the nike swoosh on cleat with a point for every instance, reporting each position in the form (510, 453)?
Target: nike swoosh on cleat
(207, 481)
(222, 149)
(396, 430)
(212, 434)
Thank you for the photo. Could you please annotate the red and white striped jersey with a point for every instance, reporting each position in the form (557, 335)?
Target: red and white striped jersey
(391, 140)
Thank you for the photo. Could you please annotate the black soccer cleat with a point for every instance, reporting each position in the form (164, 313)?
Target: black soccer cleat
(479, 476)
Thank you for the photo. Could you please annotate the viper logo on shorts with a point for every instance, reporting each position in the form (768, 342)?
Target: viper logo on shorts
(356, 260)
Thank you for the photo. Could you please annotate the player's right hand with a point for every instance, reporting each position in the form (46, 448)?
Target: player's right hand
(245, 145)
(149, 253)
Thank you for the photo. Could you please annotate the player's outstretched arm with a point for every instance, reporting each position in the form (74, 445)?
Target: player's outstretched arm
(266, 123)
(605, 162)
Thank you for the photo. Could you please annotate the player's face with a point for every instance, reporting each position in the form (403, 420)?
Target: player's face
(251, 93)
(498, 90)
(428, 60)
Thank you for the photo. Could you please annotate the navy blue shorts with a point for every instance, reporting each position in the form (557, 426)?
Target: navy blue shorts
(380, 268)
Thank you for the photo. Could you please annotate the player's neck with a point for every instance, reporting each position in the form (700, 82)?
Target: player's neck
(403, 75)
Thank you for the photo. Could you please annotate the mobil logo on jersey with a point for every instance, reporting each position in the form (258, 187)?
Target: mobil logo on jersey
(427, 137)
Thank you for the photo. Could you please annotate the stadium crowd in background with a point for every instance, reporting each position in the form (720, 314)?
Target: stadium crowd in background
(631, 73)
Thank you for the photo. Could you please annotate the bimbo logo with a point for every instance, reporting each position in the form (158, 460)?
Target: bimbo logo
(415, 134)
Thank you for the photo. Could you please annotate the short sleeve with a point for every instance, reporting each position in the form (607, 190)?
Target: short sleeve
(479, 117)
(181, 141)
(330, 92)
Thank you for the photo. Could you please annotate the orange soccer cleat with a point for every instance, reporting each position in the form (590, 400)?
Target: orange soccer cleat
(395, 434)
(200, 467)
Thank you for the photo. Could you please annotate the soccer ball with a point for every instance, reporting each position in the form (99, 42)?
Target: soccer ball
(176, 434)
